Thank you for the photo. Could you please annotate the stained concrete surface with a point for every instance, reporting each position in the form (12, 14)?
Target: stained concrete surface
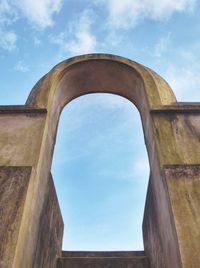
(13, 188)
(124, 259)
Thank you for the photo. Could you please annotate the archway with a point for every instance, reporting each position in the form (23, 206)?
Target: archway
(171, 134)
(112, 74)
(100, 169)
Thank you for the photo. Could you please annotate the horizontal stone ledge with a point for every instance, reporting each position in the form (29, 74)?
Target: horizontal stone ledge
(186, 170)
(103, 254)
(20, 109)
(179, 107)
(103, 262)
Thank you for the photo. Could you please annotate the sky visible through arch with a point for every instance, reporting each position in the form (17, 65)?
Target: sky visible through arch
(36, 35)
(101, 171)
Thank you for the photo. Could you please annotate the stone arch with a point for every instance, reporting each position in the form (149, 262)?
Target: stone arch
(101, 73)
(109, 74)
(97, 67)
(27, 137)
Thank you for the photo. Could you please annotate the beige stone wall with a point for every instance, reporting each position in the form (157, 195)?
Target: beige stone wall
(172, 135)
(20, 138)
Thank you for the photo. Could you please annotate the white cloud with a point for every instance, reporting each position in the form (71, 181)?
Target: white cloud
(126, 13)
(185, 82)
(84, 42)
(21, 67)
(113, 39)
(40, 12)
(8, 40)
(162, 45)
(78, 39)
(8, 13)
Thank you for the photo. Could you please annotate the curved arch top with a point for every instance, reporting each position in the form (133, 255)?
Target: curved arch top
(100, 73)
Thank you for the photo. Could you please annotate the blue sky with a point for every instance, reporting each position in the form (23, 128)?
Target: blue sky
(100, 165)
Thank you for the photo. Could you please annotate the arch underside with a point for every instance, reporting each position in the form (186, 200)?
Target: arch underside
(101, 73)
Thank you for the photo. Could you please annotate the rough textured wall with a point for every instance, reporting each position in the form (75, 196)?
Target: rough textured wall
(51, 231)
(177, 132)
(20, 136)
(13, 188)
(151, 231)
(184, 188)
(21, 131)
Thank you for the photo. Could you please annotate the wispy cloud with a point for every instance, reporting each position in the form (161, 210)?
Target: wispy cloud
(8, 15)
(8, 12)
(162, 46)
(8, 40)
(78, 38)
(21, 67)
(40, 12)
(127, 13)
(184, 81)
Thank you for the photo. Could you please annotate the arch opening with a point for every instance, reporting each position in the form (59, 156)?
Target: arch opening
(105, 163)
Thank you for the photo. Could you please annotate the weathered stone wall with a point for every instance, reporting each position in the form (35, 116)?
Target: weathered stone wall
(177, 132)
(183, 182)
(158, 234)
(21, 131)
(49, 243)
(13, 189)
